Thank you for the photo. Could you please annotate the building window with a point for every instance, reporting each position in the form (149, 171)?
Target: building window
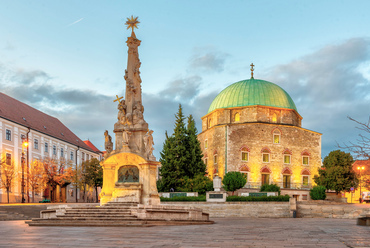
(304, 197)
(72, 155)
(286, 159)
(46, 147)
(8, 135)
(205, 144)
(36, 144)
(305, 181)
(87, 157)
(215, 159)
(305, 160)
(209, 122)
(266, 157)
(276, 138)
(237, 117)
(245, 156)
(8, 159)
(274, 118)
(54, 150)
(286, 181)
(265, 179)
(206, 161)
(61, 152)
(83, 157)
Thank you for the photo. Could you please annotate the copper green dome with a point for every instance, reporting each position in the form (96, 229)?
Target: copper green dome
(252, 92)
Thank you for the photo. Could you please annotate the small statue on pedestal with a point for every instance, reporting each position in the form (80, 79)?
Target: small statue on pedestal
(108, 142)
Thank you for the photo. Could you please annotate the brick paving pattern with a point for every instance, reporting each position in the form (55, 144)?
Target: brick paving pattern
(226, 232)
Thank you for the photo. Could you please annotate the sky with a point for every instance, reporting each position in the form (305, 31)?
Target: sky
(67, 59)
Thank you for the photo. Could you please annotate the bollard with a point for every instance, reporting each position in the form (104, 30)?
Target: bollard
(294, 214)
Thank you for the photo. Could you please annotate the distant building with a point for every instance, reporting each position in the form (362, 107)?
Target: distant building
(253, 126)
(47, 138)
(362, 169)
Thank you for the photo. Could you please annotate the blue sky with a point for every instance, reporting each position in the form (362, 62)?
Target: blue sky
(67, 58)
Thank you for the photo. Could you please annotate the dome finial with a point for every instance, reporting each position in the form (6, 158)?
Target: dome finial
(252, 69)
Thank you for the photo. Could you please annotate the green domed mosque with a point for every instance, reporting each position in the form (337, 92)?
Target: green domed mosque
(253, 126)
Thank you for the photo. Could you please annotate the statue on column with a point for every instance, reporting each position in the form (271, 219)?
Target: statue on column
(148, 143)
(126, 137)
(122, 112)
(108, 142)
(138, 114)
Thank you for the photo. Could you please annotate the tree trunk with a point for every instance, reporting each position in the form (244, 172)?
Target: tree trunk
(96, 193)
(7, 192)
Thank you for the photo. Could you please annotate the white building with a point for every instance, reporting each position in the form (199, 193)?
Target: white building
(47, 137)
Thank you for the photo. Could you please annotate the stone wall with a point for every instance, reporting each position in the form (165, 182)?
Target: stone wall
(324, 209)
(306, 209)
(240, 209)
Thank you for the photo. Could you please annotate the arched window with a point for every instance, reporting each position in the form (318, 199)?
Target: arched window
(305, 178)
(244, 152)
(287, 156)
(209, 122)
(265, 155)
(206, 144)
(265, 175)
(215, 157)
(245, 170)
(276, 133)
(305, 157)
(237, 117)
(286, 178)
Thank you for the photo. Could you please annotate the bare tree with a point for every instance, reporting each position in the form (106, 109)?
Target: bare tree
(35, 177)
(361, 148)
(7, 175)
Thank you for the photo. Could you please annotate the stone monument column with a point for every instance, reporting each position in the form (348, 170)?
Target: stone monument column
(129, 169)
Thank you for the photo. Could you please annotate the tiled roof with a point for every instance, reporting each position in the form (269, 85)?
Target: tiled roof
(22, 114)
(91, 145)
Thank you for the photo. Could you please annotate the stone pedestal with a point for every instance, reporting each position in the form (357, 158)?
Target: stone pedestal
(216, 196)
(121, 168)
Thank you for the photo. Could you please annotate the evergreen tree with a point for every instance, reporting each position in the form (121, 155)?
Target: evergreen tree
(195, 165)
(181, 156)
(168, 171)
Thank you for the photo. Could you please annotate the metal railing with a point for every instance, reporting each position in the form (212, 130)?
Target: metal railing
(257, 185)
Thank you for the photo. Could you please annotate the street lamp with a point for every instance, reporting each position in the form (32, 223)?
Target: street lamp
(23, 161)
(360, 168)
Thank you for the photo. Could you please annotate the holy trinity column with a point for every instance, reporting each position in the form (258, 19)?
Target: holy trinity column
(131, 130)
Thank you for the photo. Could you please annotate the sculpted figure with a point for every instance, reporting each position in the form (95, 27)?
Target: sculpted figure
(138, 116)
(148, 142)
(126, 137)
(108, 142)
(122, 112)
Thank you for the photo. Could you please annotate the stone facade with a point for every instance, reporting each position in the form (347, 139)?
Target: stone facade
(276, 149)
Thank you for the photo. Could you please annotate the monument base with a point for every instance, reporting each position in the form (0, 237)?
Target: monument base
(128, 177)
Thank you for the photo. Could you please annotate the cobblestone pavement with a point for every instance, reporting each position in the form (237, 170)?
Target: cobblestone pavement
(226, 232)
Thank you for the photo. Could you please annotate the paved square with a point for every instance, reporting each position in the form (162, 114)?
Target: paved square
(226, 232)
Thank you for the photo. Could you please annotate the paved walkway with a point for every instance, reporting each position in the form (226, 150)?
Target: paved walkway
(226, 232)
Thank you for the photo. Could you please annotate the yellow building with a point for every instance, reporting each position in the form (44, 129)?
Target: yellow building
(253, 126)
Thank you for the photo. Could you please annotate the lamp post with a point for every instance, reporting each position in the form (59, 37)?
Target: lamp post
(360, 169)
(23, 161)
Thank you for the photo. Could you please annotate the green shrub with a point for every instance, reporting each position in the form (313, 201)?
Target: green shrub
(280, 198)
(234, 180)
(184, 198)
(270, 188)
(199, 183)
(318, 193)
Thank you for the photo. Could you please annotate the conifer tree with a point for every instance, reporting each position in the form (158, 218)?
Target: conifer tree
(196, 164)
(181, 156)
